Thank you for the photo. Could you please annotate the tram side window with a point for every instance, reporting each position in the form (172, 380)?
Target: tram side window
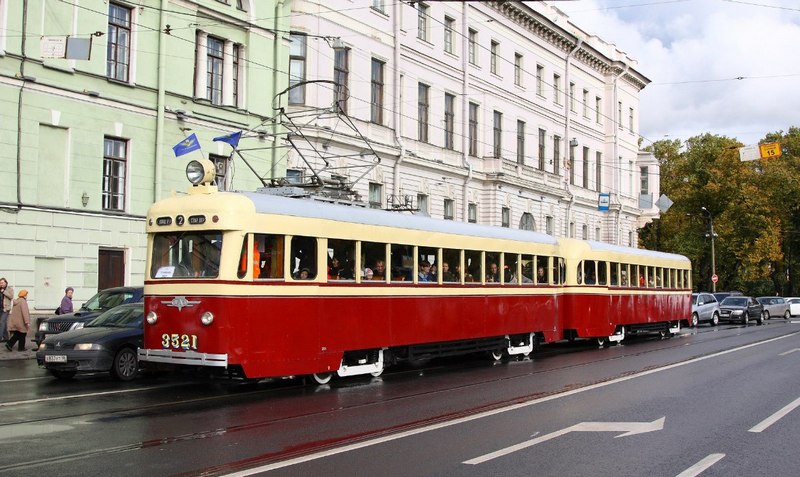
(590, 271)
(492, 267)
(373, 257)
(341, 259)
(510, 262)
(559, 271)
(473, 268)
(402, 263)
(267, 256)
(189, 254)
(303, 258)
(451, 264)
(624, 273)
(528, 267)
(659, 277)
(427, 265)
(614, 274)
(602, 273)
(542, 267)
(651, 277)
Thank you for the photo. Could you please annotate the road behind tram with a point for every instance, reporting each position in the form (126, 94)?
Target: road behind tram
(710, 401)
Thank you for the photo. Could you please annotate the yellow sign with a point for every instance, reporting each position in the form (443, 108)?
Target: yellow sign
(772, 149)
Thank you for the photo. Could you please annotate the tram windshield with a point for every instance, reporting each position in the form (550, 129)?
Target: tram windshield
(186, 255)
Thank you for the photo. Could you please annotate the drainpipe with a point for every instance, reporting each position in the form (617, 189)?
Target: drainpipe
(617, 158)
(567, 140)
(465, 112)
(160, 102)
(19, 100)
(396, 116)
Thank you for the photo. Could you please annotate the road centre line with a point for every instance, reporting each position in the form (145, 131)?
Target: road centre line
(763, 425)
(701, 466)
(493, 412)
(789, 352)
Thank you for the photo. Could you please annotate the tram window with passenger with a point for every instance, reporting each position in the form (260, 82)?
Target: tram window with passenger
(402, 263)
(473, 266)
(303, 258)
(451, 264)
(341, 259)
(186, 255)
(427, 259)
(492, 267)
(373, 256)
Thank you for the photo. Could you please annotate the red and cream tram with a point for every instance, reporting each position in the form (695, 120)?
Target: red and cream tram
(257, 285)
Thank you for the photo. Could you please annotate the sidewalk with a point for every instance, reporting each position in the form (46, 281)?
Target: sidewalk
(29, 353)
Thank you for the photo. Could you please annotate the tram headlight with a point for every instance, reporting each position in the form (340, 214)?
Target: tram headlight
(152, 318)
(200, 171)
(207, 318)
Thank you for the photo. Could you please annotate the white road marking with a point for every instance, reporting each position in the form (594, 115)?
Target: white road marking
(701, 466)
(461, 420)
(789, 352)
(776, 417)
(78, 396)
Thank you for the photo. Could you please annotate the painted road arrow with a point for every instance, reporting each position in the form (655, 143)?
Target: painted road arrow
(627, 429)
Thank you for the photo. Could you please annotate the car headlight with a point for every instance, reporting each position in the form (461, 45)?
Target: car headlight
(88, 346)
(42, 346)
(76, 326)
(43, 326)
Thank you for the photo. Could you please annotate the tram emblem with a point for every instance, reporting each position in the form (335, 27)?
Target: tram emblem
(180, 302)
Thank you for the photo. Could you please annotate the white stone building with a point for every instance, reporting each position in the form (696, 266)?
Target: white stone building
(503, 113)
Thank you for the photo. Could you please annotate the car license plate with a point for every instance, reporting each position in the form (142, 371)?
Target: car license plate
(55, 358)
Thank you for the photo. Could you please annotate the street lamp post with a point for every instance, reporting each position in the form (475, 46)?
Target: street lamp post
(713, 252)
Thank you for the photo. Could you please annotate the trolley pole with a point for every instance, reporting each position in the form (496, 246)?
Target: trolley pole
(713, 252)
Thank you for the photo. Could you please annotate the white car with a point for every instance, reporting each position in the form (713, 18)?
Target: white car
(704, 308)
(794, 306)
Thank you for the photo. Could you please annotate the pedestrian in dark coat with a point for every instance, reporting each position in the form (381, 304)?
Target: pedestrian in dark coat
(19, 322)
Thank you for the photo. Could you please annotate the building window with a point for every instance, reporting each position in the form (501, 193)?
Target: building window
(549, 225)
(572, 97)
(422, 203)
(493, 57)
(630, 119)
(379, 5)
(585, 232)
(115, 153)
(540, 80)
(473, 129)
(571, 164)
(376, 105)
(422, 111)
(597, 234)
(572, 230)
(520, 142)
(297, 68)
(497, 150)
(556, 154)
(526, 222)
(585, 167)
(556, 89)
(473, 46)
(472, 213)
(597, 109)
(598, 171)
(375, 195)
(422, 21)
(449, 207)
(449, 28)
(644, 182)
(505, 217)
(541, 148)
(118, 51)
(449, 120)
(214, 54)
(341, 74)
(236, 63)
(517, 69)
(619, 114)
(586, 103)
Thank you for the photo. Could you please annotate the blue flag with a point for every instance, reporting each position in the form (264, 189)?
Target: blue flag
(232, 138)
(186, 146)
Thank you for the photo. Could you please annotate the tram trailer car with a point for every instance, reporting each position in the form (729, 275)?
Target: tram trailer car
(255, 285)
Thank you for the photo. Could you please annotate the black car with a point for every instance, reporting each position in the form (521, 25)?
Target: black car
(107, 343)
(741, 309)
(102, 301)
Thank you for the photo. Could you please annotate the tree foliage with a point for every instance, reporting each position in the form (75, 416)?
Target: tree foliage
(754, 207)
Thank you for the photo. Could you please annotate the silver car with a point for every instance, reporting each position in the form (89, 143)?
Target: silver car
(705, 307)
(775, 306)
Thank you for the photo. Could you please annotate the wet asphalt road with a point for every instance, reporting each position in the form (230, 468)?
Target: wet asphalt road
(711, 387)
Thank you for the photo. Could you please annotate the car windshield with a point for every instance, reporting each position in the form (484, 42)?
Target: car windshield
(188, 254)
(121, 317)
(107, 299)
(734, 301)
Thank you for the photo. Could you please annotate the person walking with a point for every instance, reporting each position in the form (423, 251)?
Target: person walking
(66, 302)
(19, 322)
(6, 300)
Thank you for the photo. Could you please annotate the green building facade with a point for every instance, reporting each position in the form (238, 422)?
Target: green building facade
(94, 96)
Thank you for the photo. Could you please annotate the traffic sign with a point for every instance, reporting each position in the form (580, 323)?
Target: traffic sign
(714, 278)
(772, 149)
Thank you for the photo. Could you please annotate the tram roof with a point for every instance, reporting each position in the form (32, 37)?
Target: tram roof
(607, 247)
(269, 204)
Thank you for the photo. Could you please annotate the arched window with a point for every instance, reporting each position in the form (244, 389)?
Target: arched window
(526, 222)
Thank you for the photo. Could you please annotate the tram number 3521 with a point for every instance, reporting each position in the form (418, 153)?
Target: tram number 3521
(178, 341)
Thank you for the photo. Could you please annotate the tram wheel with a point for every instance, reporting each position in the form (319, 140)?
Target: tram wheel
(322, 378)
(601, 341)
(497, 355)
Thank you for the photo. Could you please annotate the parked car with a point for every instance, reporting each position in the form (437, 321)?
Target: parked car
(775, 306)
(723, 295)
(104, 300)
(794, 306)
(107, 343)
(705, 308)
(741, 309)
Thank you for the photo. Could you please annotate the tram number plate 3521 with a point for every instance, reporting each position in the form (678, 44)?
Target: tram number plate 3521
(177, 341)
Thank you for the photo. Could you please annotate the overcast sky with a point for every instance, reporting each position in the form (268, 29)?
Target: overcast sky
(693, 51)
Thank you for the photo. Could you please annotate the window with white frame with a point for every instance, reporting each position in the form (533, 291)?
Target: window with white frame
(449, 209)
(423, 105)
(517, 69)
(422, 21)
(520, 142)
(449, 33)
(598, 171)
(297, 68)
(586, 103)
(572, 230)
(341, 75)
(571, 164)
(585, 232)
(422, 203)
(549, 225)
(597, 234)
(449, 120)
(473, 46)
(379, 5)
(375, 195)
(556, 155)
(473, 129)
(585, 167)
(542, 136)
(598, 112)
(497, 129)
(115, 156)
(376, 99)
(540, 80)
(526, 222)
(556, 88)
(493, 56)
(505, 217)
(619, 114)
(572, 96)
(630, 119)
(215, 60)
(118, 49)
(644, 182)
(472, 213)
